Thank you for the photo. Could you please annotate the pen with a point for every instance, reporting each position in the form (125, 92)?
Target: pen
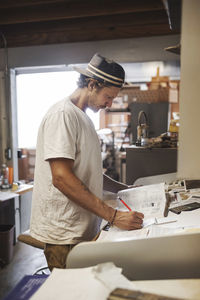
(125, 204)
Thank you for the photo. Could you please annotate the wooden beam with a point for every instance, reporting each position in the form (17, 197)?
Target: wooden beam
(146, 18)
(45, 38)
(23, 12)
(21, 3)
(88, 29)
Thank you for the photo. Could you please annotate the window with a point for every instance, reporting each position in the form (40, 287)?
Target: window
(36, 93)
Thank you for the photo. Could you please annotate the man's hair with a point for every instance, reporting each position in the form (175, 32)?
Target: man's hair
(84, 80)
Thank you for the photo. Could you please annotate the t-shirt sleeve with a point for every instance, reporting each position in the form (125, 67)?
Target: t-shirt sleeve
(59, 131)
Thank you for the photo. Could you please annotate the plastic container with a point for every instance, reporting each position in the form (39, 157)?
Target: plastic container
(6, 243)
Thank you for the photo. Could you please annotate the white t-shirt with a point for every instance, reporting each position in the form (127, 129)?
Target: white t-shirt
(67, 132)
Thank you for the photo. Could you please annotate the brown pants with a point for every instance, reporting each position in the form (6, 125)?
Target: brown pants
(56, 255)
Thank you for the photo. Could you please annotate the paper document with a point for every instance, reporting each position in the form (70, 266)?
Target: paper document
(91, 283)
(189, 219)
(153, 230)
(158, 231)
(149, 199)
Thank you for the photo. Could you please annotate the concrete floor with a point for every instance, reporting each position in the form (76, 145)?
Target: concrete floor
(26, 260)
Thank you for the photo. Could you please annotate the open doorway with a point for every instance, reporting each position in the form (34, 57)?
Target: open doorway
(36, 93)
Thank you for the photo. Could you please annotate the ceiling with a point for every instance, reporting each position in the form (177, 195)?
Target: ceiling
(44, 22)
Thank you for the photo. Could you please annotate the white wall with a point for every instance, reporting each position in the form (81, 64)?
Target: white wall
(189, 150)
(124, 51)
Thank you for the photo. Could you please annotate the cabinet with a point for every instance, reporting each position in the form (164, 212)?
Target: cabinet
(142, 162)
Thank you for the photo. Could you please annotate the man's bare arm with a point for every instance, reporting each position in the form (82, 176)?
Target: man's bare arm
(69, 184)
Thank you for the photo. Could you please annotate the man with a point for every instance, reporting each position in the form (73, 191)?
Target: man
(67, 203)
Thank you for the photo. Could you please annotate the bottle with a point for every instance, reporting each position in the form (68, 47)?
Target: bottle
(139, 134)
(5, 177)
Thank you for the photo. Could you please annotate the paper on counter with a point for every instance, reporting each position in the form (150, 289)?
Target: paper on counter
(188, 219)
(166, 220)
(149, 199)
(116, 234)
(154, 224)
(158, 221)
(149, 221)
(159, 231)
(91, 283)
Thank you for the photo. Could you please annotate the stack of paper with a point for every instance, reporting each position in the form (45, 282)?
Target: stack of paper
(91, 283)
(151, 201)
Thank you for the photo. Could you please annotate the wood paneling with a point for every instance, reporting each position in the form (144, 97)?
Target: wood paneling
(56, 10)
(39, 22)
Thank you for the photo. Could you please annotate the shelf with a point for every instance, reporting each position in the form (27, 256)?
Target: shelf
(118, 110)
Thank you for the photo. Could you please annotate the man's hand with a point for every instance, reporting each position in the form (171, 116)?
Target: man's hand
(129, 220)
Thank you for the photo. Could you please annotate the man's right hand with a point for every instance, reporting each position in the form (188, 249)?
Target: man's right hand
(129, 220)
